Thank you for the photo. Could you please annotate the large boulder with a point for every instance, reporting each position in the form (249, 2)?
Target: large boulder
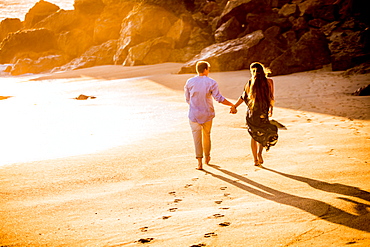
(229, 30)
(38, 12)
(310, 52)
(150, 52)
(240, 8)
(89, 7)
(60, 21)
(181, 31)
(75, 42)
(349, 48)
(323, 9)
(9, 25)
(289, 10)
(96, 55)
(27, 65)
(227, 56)
(144, 23)
(108, 24)
(67, 20)
(31, 40)
(269, 48)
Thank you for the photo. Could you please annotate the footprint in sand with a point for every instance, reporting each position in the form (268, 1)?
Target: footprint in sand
(224, 224)
(166, 217)
(172, 209)
(218, 202)
(218, 215)
(223, 188)
(188, 185)
(144, 240)
(211, 234)
(198, 245)
(177, 200)
(172, 193)
(224, 208)
(144, 229)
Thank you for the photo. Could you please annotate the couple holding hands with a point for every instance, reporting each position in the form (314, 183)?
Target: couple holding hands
(258, 94)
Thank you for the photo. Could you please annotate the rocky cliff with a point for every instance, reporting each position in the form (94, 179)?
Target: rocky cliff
(286, 35)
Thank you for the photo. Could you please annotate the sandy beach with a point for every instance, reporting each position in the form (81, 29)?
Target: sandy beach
(119, 170)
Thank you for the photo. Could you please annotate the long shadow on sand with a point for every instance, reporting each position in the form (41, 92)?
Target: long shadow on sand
(318, 208)
(328, 187)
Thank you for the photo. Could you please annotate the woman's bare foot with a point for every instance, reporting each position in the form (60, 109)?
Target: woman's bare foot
(208, 159)
(260, 159)
(256, 162)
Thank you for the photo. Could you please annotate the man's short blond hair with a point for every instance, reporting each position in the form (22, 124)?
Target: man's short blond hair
(201, 66)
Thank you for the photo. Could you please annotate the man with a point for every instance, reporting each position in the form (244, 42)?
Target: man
(199, 91)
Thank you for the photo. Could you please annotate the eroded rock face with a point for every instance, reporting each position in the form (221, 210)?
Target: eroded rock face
(229, 55)
(310, 52)
(154, 31)
(150, 52)
(26, 41)
(27, 65)
(108, 24)
(75, 42)
(38, 12)
(148, 22)
(9, 25)
(89, 7)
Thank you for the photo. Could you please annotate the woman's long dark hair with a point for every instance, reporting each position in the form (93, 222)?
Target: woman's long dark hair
(259, 90)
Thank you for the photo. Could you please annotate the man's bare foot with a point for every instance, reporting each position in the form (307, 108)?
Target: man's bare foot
(256, 162)
(208, 159)
(200, 164)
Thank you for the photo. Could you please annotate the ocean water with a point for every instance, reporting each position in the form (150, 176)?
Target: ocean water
(19, 8)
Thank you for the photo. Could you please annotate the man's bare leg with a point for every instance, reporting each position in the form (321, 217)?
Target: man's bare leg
(200, 164)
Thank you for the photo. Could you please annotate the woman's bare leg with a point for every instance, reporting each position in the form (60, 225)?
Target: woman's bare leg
(260, 149)
(254, 151)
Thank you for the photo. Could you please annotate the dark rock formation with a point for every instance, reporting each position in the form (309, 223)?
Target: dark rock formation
(229, 55)
(310, 52)
(363, 91)
(293, 35)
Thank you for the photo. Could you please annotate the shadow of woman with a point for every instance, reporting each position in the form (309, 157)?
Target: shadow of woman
(328, 187)
(318, 208)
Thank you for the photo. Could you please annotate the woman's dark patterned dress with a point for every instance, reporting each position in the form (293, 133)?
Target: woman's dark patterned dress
(259, 126)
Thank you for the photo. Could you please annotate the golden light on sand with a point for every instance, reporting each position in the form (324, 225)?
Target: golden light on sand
(43, 120)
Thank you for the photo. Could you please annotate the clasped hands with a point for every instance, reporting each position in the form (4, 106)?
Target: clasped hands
(233, 109)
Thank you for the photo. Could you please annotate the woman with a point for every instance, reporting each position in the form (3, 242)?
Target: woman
(259, 96)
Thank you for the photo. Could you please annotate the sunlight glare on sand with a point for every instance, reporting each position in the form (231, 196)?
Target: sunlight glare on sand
(43, 120)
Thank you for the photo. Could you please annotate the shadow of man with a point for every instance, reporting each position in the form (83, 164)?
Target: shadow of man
(315, 207)
(328, 187)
